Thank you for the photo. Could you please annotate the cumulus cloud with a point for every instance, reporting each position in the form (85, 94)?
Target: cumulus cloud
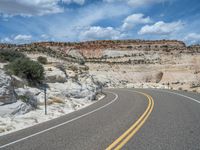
(6, 40)
(33, 7)
(137, 3)
(80, 2)
(161, 28)
(135, 19)
(20, 38)
(192, 38)
(97, 32)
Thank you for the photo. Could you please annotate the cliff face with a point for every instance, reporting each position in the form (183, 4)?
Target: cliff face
(111, 51)
(95, 49)
(134, 61)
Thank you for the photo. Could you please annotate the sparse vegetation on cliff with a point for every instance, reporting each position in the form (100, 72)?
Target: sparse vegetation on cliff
(42, 60)
(10, 55)
(28, 69)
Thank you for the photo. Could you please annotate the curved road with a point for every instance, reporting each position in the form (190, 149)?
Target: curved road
(126, 118)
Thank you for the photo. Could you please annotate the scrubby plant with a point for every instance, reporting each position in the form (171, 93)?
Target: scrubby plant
(81, 62)
(23, 98)
(159, 77)
(10, 55)
(42, 60)
(28, 69)
(73, 68)
(194, 91)
(180, 88)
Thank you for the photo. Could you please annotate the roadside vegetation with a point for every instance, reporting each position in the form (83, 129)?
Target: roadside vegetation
(23, 67)
(10, 55)
(42, 60)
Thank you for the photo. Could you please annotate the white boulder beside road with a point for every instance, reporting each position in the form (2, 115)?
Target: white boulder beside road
(6, 90)
(22, 106)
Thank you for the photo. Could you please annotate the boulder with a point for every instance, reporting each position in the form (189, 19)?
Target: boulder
(83, 88)
(76, 54)
(53, 75)
(7, 94)
(31, 96)
(18, 82)
(16, 108)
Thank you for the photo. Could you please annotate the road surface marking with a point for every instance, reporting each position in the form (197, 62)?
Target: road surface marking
(183, 96)
(64, 123)
(126, 136)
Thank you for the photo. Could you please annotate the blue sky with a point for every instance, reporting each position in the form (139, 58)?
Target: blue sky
(26, 21)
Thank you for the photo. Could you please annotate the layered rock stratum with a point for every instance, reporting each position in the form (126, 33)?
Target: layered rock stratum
(129, 61)
(76, 72)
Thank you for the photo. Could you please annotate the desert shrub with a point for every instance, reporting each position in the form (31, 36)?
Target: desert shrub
(194, 91)
(81, 62)
(159, 77)
(129, 47)
(50, 69)
(23, 98)
(180, 88)
(42, 60)
(73, 68)
(28, 69)
(10, 55)
(85, 68)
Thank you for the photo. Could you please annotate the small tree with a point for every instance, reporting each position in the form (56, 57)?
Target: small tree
(31, 70)
(42, 60)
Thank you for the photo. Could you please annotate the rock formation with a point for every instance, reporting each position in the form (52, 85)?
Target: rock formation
(7, 94)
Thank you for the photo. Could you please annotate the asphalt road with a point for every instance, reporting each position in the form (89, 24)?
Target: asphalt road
(132, 120)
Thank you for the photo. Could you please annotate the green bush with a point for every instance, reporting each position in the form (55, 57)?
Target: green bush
(42, 60)
(28, 69)
(10, 55)
(81, 62)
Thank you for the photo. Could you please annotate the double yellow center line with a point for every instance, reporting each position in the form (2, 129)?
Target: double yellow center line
(126, 136)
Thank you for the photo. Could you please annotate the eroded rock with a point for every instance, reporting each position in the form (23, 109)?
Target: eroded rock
(7, 94)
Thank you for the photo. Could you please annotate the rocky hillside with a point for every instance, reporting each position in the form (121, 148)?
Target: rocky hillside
(96, 49)
(76, 72)
(129, 61)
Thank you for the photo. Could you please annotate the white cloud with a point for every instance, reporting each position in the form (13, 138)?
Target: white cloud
(80, 2)
(83, 19)
(44, 36)
(6, 40)
(21, 37)
(135, 19)
(33, 7)
(29, 7)
(192, 38)
(97, 32)
(161, 28)
(137, 3)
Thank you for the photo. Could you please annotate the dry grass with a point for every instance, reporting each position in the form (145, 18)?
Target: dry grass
(56, 100)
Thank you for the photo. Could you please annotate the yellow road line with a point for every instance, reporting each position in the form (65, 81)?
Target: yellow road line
(126, 136)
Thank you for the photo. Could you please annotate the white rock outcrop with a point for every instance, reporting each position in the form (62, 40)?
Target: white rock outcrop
(17, 108)
(53, 74)
(6, 90)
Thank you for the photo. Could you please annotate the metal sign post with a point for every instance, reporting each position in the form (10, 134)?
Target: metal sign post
(45, 99)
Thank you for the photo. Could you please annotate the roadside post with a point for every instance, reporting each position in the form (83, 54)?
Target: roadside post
(45, 99)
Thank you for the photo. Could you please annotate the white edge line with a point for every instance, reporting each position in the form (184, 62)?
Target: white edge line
(76, 118)
(195, 100)
(184, 96)
(74, 111)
